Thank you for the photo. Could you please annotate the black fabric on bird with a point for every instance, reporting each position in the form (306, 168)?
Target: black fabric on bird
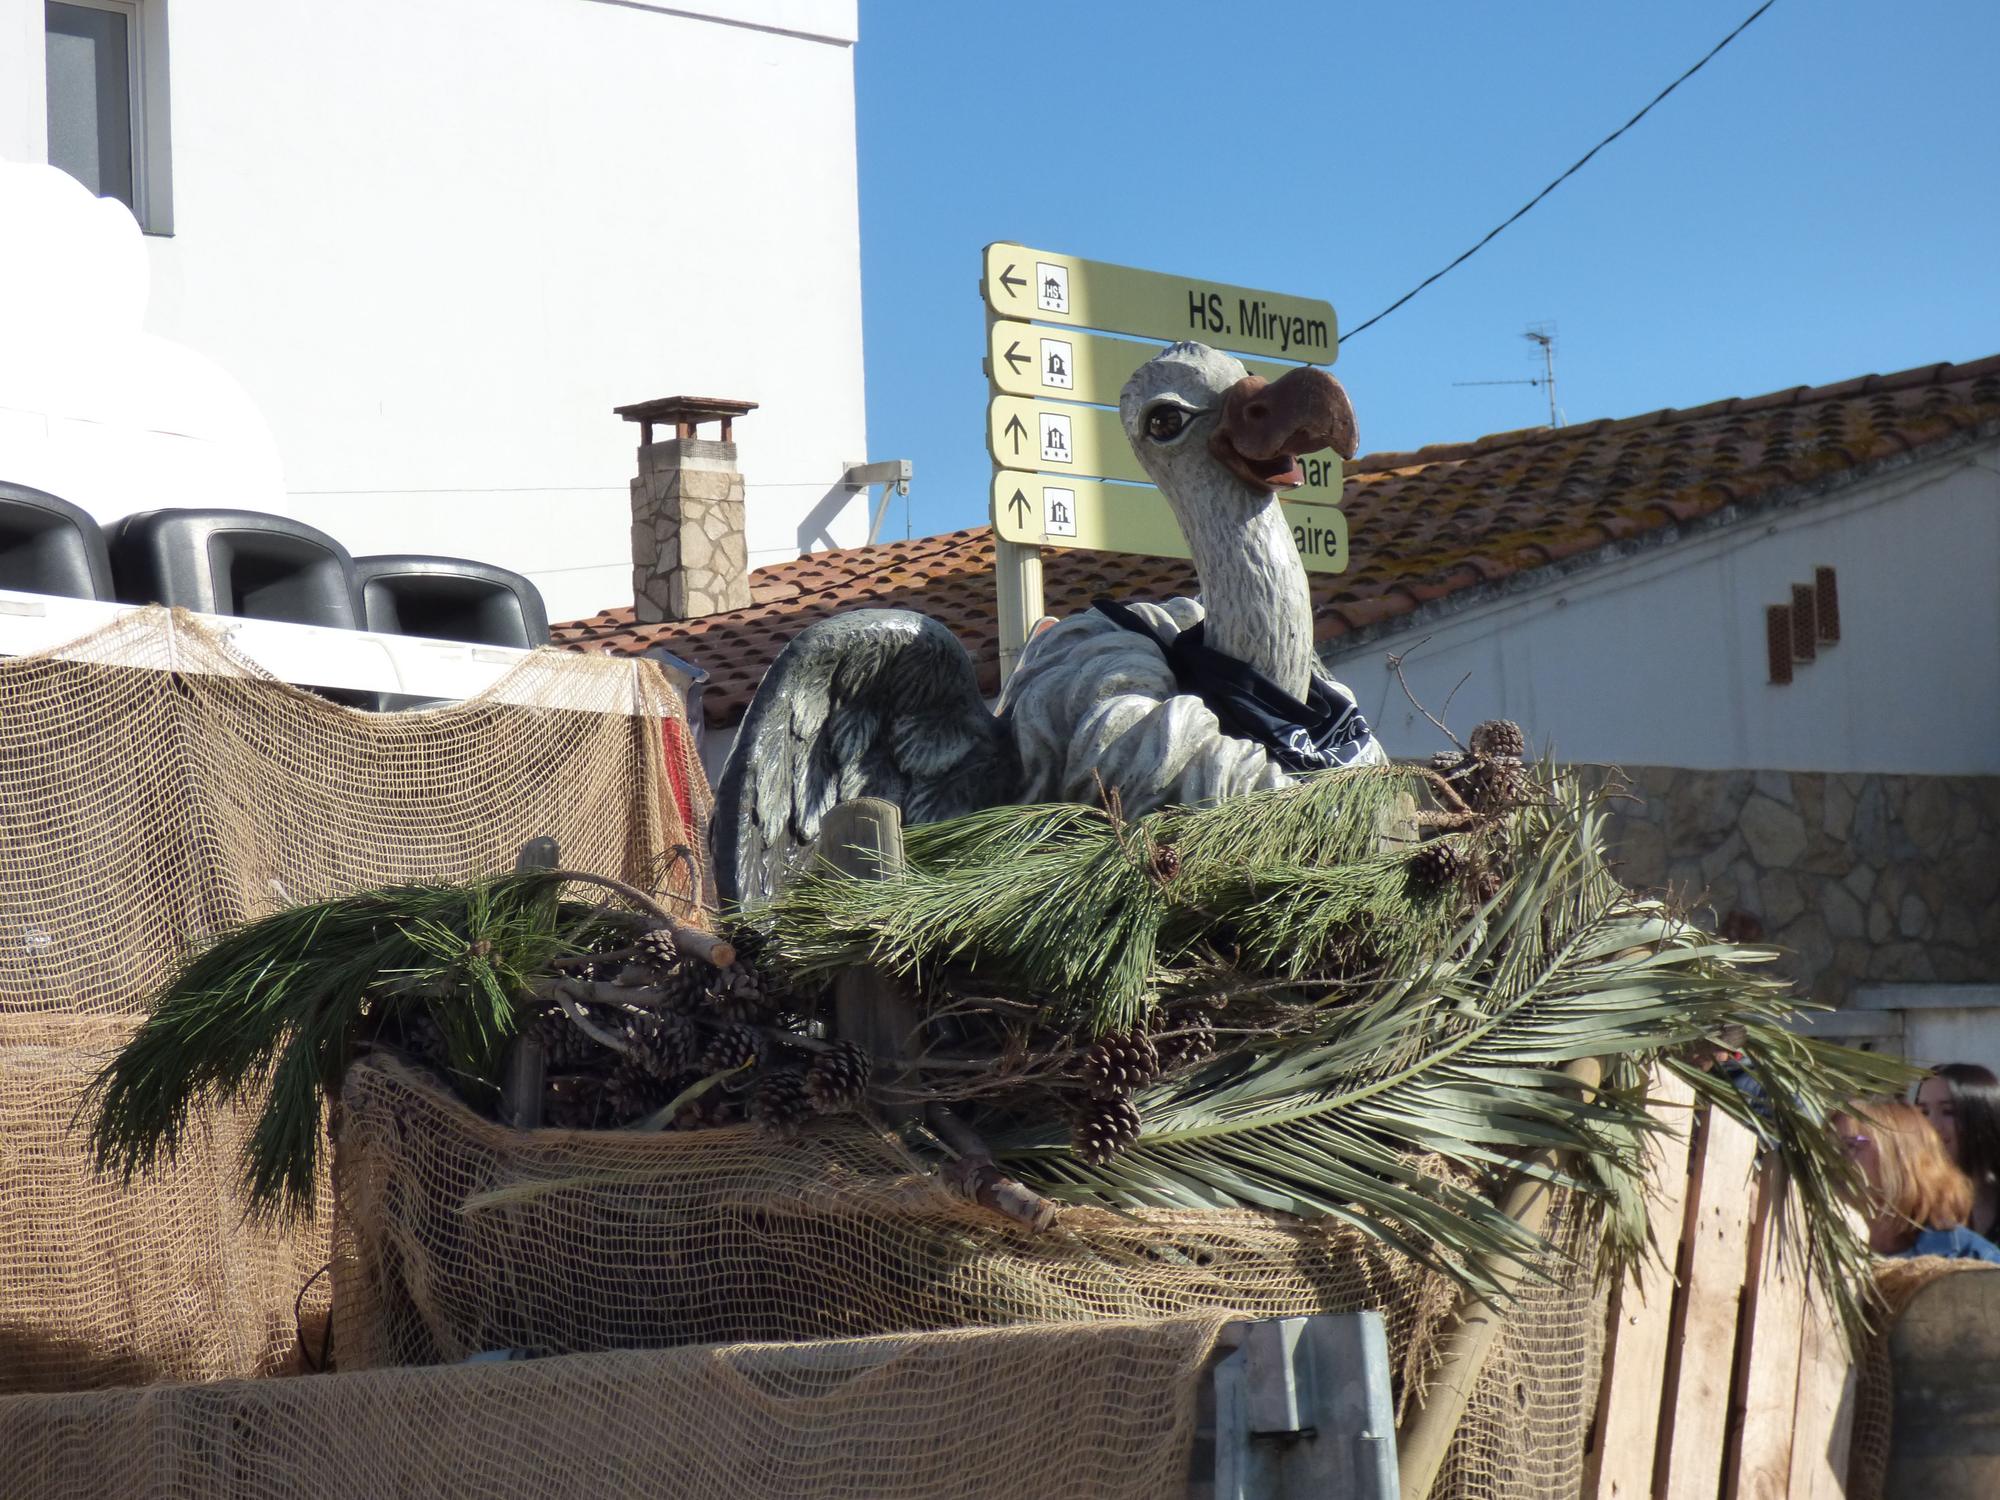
(1325, 731)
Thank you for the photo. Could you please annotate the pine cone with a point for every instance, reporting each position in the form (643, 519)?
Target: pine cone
(1445, 762)
(1437, 865)
(1166, 863)
(780, 1102)
(1499, 739)
(712, 1110)
(739, 993)
(423, 1039)
(838, 1080)
(1107, 1125)
(1190, 1038)
(667, 1045)
(631, 1093)
(730, 1048)
(1121, 1060)
(566, 1046)
(1496, 785)
(656, 948)
(685, 987)
(571, 1103)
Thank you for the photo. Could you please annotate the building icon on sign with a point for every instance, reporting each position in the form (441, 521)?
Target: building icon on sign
(1058, 362)
(1055, 439)
(1058, 511)
(1051, 287)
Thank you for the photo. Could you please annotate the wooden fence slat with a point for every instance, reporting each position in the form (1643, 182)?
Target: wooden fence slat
(1825, 1407)
(1620, 1463)
(1758, 1464)
(1716, 1236)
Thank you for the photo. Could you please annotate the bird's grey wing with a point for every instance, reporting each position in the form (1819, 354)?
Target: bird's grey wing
(1092, 700)
(869, 703)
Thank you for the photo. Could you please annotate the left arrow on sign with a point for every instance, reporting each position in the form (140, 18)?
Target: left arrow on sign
(1009, 279)
(1015, 357)
(1015, 430)
(1019, 505)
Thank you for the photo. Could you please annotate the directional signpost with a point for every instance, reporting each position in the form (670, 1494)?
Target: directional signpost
(1057, 438)
(1042, 510)
(1065, 472)
(1047, 288)
(1069, 366)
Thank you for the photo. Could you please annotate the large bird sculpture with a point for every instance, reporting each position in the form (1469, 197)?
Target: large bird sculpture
(1183, 702)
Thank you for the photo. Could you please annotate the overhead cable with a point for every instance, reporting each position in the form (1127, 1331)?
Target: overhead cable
(1574, 166)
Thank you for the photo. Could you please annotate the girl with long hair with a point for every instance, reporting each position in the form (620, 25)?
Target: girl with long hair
(1916, 1199)
(1962, 1102)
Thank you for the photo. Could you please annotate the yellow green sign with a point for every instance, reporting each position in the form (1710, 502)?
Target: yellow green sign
(1065, 365)
(1089, 441)
(1043, 510)
(1048, 288)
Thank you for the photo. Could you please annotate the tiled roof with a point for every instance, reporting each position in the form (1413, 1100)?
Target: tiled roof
(1425, 525)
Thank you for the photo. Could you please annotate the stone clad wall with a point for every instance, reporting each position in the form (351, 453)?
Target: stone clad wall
(1861, 877)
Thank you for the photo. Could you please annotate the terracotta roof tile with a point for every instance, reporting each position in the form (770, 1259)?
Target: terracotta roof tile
(1443, 520)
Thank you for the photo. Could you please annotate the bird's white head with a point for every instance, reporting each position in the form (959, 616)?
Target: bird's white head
(1220, 442)
(1202, 425)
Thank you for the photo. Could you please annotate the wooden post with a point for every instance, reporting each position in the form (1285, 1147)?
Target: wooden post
(1715, 1248)
(1620, 1462)
(863, 839)
(1823, 1419)
(1462, 1353)
(1759, 1461)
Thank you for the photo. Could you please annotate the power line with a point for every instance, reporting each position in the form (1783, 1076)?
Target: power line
(1574, 167)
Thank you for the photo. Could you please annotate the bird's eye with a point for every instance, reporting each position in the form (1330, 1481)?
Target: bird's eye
(1164, 423)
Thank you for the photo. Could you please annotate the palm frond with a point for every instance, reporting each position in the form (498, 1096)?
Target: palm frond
(1458, 1060)
(271, 1012)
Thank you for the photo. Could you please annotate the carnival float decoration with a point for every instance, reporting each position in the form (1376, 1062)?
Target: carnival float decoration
(1167, 930)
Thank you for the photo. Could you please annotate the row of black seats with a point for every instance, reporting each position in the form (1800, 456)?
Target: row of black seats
(263, 567)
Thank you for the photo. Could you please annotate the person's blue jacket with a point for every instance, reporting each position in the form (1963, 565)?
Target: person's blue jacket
(1953, 1244)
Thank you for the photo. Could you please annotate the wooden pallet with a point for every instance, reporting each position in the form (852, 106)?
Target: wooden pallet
(1726, 1379)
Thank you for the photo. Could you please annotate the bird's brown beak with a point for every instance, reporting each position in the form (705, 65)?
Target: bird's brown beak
(1266, 425)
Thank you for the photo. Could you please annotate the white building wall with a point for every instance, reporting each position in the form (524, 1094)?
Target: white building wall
(437, 243)
(1659, 658)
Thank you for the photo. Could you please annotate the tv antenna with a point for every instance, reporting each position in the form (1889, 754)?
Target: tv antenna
(1543, 335)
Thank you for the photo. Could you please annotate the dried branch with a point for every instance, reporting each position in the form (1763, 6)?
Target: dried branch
(1395, 660)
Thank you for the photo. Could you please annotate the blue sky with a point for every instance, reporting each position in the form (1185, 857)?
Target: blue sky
(1821, 201)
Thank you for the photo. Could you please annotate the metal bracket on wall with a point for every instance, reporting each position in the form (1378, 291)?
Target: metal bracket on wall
(893, 474)
(1298, 1407)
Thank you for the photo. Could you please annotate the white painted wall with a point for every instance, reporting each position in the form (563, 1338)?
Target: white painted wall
(91, 406)
(1659, 658)
(438, 242)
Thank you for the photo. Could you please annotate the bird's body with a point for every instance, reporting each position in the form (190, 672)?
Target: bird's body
(1172, 703)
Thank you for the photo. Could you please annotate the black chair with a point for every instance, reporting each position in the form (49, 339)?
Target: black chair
(48, 546)
(235, 562)
(451, 599)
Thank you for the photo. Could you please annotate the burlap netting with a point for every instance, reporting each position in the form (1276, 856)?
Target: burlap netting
(1897, 1282)
(1049, 1413)
(155, 788)
(726, 1235)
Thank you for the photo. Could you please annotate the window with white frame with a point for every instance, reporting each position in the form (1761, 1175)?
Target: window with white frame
(107, 101)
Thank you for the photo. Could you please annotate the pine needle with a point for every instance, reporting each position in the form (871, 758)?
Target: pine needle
(270, 1014)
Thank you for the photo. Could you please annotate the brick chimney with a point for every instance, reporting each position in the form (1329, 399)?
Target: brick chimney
(689, 557)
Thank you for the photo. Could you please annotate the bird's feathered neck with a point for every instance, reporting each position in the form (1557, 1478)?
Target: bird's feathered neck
(1253, 588)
